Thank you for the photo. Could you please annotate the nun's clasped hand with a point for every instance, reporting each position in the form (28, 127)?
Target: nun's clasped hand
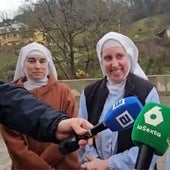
(94, 163)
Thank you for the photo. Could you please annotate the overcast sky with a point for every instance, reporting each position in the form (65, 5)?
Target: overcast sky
(10, 6)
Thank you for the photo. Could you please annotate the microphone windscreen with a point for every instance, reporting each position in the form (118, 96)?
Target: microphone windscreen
(122, 115)
(152, 127)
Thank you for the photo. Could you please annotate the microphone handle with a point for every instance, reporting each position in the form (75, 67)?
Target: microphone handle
(70, 144)
(98, 128)
(144, 158)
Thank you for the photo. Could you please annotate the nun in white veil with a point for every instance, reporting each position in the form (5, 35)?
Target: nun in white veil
(116, 39)
(31, 50)
(123, 77)
(36, 72)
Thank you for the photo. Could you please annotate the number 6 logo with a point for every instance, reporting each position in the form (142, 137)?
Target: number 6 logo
(154, 116)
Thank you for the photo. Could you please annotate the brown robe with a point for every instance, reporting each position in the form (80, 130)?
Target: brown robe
(28, 153)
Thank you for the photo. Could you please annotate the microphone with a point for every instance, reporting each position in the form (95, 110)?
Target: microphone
(119, 117)
(151, 132)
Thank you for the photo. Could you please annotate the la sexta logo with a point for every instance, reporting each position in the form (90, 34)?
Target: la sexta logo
(154, 116)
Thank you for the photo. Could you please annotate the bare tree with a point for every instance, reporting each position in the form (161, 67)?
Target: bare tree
(72, 28)
(62, 23)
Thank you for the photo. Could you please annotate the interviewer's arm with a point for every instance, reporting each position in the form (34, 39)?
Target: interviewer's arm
(20, 111)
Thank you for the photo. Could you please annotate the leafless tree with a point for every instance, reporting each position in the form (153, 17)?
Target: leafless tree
(73, 27)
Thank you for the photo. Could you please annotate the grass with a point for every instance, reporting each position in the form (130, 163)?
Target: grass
(146, 28)
(7, 64)
(7, 57)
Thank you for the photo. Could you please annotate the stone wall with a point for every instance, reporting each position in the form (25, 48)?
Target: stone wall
(161, 82)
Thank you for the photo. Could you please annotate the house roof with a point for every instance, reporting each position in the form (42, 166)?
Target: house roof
(12, 26)
(162, 32)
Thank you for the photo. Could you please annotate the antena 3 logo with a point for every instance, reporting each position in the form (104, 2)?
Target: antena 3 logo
(125, 119)
(152, 117)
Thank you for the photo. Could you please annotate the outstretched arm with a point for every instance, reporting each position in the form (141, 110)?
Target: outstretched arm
(20, 111)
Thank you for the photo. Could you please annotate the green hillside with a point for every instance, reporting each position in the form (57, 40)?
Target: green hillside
(7, 63)
(139, 31)
(146, 28)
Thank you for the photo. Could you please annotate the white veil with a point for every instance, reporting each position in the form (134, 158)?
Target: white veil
(129, 47)
(24, 51)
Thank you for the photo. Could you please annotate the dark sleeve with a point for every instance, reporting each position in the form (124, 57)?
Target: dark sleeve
(20, 111)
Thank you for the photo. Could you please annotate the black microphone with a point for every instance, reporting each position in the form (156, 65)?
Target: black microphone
(70, 144)
(144, 158)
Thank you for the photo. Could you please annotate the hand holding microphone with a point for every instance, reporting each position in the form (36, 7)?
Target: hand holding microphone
(151, 132)
(119, 117)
